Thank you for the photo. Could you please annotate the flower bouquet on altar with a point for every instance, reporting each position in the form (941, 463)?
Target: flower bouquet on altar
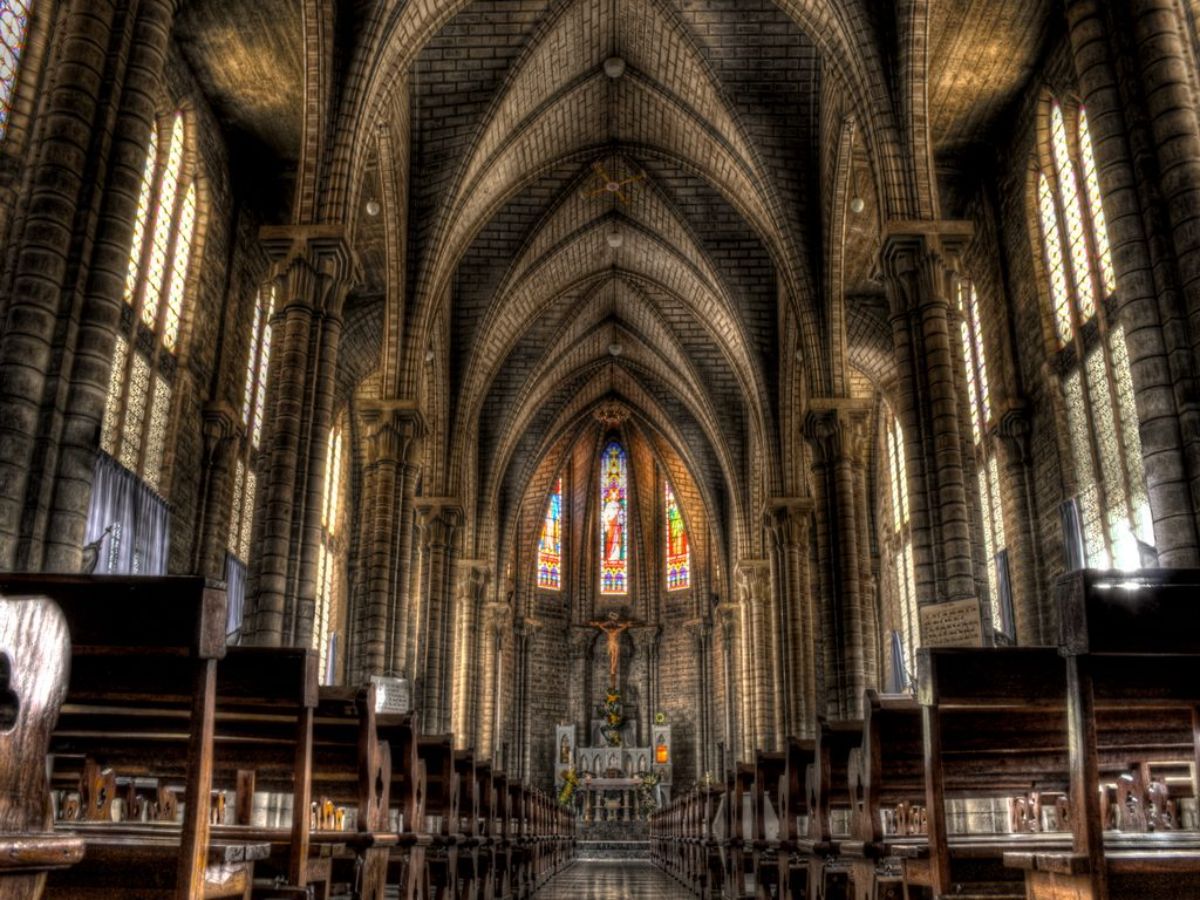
(612, 714)
(566, 796)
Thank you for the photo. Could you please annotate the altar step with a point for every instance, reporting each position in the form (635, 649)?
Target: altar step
(611, 849)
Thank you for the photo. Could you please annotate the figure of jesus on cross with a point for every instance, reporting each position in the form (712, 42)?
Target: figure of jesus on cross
(612, 628)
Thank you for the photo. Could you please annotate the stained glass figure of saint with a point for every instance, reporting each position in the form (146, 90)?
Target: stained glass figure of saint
(550, 545)
(614, 542)
(678, 553)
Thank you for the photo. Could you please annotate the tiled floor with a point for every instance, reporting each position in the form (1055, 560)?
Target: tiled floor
(612, 880)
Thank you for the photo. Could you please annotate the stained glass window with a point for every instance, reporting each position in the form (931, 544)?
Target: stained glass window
(137, 413)
(14, 29)
(254, 394)
(328, 599)
(679, 557)
(1102, 423)
(903, 577)
(988, 473)
(614, 538)
(549, 574)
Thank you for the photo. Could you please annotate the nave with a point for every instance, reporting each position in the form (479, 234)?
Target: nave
(618, 879)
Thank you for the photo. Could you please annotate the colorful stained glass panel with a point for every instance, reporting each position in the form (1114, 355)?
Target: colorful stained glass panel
(550, 544)
(678, 553)
(614, 539)
(14, 27)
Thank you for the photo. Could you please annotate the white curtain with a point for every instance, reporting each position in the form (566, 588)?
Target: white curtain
(132, 522)
(235, 590)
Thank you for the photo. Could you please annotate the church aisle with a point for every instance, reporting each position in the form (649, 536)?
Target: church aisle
(612, 880)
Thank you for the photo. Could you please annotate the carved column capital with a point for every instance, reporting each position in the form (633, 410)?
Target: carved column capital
(837, 428)
(439, 519)
(221, 426)
(920, 262)
(497, 618)
(526, 626)
(394, 429)
(474, 576)
(753, 578)
(314, 265)
(787, 520)
(1012, 430)
(727, 617)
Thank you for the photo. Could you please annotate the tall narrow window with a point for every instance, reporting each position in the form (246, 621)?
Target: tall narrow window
(903, 578)
(1102, 422)
(254, 396)
(328, 609)
(14, 30)
(678, 554)
(988, 473)
(145, 360)
(550, 544)
(614, 538)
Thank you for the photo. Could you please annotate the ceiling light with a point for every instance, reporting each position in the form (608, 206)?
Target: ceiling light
(615, 349)
(614, 67)
(373, 208)
(615, 238)
(857, 205)
(429, 356)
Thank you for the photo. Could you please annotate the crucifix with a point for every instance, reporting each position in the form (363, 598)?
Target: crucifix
(612, 628)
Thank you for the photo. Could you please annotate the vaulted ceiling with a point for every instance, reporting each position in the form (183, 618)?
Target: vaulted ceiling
(692, 292)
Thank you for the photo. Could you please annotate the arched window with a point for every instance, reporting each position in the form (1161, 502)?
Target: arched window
(614, 537)
(254, 397)
(550, 543)
(1113, 506)
(145, 360)
(907, 624)
(14, 30)
(328, 605)
(979, 393)
(678, 553)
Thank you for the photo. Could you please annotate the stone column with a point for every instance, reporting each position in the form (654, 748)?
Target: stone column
(498, 624)
(393, 432)
(63, 528)
(582, 643)
(222, 441)
(788, 525)
(837, 430)
(441, 519)
(701, 631)
(473, 578)
(727, 617)
(525, 632)
(1011, 436)
(754, 592)
(314, 266)
(918, 265)
(1158, 287)
(645, 644)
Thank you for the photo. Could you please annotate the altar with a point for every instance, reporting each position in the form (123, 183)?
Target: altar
(615, 783)
(621, 773)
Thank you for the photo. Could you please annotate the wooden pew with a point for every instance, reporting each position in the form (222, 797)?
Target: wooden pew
(441, 813)
(467, 826)
(407, 867)
(827, 789)
(885, 773)
(34, 654)
(1129, 644)
(144, 648)
(262, 734)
